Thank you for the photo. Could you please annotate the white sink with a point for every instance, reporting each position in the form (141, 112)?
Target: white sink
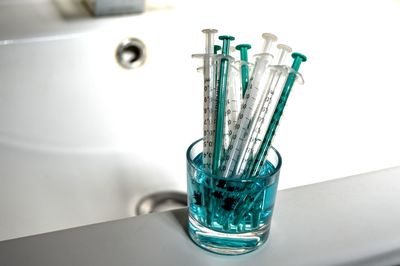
(82, 139)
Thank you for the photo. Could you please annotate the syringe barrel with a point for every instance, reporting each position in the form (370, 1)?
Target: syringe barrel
(251, 100)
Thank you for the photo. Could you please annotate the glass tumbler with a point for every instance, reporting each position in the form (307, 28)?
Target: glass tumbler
(230, 215)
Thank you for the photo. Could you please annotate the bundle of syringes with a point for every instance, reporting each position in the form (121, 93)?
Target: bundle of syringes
(243, 103)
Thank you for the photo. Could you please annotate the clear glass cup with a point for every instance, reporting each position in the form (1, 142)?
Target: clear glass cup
(230, 215)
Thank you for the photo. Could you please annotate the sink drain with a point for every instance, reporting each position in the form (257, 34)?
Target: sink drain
(161, 201)
(131, 53)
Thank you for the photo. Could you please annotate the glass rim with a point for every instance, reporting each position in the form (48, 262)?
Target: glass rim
(249, 179)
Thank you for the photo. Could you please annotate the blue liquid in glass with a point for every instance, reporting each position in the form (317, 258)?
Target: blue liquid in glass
(234, 206)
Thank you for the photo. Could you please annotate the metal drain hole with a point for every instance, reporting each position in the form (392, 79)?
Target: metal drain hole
(161, 201)
(131, 53)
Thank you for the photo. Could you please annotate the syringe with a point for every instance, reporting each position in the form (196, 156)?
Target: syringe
(251, 100)
(260, 121)
(221, 98)
(257, 164)
(209, 104)
(261, 155)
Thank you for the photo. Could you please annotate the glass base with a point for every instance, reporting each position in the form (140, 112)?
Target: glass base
(227, 243)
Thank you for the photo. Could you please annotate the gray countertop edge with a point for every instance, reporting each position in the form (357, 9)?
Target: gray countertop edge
(348, 221)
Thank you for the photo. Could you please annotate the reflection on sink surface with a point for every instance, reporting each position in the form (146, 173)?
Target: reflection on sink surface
(46, 191)
(83, 140)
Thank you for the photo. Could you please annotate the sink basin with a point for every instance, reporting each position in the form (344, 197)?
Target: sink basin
(83, 139)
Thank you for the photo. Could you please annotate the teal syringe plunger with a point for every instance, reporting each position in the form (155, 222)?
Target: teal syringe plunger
(244, 68)
(216, 48)
(259, 160)
(223, 77)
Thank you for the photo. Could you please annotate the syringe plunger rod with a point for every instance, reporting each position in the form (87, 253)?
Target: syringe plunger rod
(269, 38)
(226, 39)
(284, 50)
(243, 51)
(217, 48)
(209, 40)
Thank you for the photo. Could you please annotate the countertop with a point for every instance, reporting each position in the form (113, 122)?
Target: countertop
(348, 221)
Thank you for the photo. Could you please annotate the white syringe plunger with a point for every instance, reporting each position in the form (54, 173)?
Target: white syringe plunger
(283, 51)
(209, 40)
(269, 38)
